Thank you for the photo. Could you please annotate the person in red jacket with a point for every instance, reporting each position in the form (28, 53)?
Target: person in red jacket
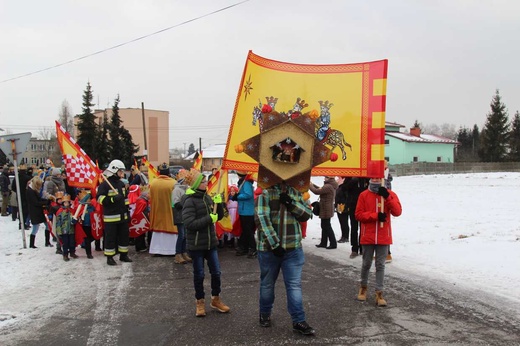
(374, 209)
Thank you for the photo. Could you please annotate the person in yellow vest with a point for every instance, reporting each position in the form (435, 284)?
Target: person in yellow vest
(164, 238)
(115, 212)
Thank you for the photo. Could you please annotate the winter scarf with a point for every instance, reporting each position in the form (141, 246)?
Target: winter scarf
(374, 187)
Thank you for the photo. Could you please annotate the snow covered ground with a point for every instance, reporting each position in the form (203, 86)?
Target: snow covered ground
(459, 230)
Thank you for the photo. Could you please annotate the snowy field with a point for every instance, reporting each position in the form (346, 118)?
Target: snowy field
(460, 231)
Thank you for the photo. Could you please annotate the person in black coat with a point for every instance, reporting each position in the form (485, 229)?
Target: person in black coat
(346, 201)
(199, 216)
(24, 179)
(35, 205)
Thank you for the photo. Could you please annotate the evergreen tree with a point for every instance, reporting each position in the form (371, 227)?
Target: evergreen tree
(476, 143)
(417, 124)
(103, 148)
(191, 149)
(514, 139)
(495, 134)
(467, 144)
(117, 150)
(129, 148)
(87, 127)
(122, 146)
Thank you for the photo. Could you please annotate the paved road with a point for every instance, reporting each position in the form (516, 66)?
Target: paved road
(151, 302)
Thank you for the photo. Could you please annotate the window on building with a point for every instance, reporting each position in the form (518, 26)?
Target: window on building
(439, 158)
(416, 159)
(387, 141)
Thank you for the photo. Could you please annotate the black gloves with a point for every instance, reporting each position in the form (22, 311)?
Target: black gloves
(383, 192)
(279, 251)
(381, 216)
(118, 198)
(285, 199)
(234, 197)
(115, 199)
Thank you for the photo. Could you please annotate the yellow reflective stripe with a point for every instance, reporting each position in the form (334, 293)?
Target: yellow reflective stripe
(110, 252)
(101, 198)
(122, 248)
(111, 218)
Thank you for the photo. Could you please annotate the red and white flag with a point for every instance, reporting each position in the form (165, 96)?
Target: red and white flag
(81, 170)
(139, 223)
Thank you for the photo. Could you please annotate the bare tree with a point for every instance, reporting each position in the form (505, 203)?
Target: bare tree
(66, 118)
(448, 131)
(431, 129)
(445, 130)
(50, 143)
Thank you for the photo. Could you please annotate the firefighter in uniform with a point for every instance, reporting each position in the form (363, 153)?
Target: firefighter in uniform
(115, 212)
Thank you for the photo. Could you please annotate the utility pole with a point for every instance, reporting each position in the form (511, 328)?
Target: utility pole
(184, 152)
(145, 151)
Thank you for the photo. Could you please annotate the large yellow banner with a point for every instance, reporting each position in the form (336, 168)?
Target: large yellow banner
(348, 101)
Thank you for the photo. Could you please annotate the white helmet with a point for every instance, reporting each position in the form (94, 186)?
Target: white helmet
(115, 166)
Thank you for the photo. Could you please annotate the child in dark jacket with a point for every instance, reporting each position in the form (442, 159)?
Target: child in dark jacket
(65, 229)
(199, 216)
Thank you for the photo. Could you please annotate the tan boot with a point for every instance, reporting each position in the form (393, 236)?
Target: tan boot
(380, 301)
(216, 303)
(201, 308)
(362, 295)
(187, 257)
(179, 259)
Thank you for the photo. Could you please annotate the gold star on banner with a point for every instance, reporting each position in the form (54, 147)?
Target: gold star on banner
(248, 87)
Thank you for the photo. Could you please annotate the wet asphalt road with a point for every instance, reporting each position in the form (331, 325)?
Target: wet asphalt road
(151, 302)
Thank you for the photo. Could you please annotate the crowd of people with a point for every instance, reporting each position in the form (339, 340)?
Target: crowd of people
(174, 216)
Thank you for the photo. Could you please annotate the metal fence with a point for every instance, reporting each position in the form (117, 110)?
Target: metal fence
(419, 168)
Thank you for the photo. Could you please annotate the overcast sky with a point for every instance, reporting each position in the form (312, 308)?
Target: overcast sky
(446, 58)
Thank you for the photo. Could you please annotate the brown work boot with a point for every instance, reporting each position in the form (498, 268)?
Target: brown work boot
(380, 301)
(362, 295)
(216, 303)
(187, 257)
(201, 308)
(179, 259)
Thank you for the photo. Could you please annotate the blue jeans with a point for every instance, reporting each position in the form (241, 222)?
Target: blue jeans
(291, 265)
(69, 243)
(198, 257)
(180, 245)
(35, 228)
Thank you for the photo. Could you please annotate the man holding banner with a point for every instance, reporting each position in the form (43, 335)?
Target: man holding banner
(279, 211)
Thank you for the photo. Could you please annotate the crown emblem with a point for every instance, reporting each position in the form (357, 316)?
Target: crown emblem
(271, 101)
(326, 104)
(301, 103)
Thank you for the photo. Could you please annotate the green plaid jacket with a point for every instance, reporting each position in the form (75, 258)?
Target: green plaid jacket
(277, 224)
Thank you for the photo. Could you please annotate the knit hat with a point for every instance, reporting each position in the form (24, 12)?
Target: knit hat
(193, 178)
(55, 172)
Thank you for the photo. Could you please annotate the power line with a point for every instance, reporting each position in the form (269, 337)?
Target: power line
(124, 43)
